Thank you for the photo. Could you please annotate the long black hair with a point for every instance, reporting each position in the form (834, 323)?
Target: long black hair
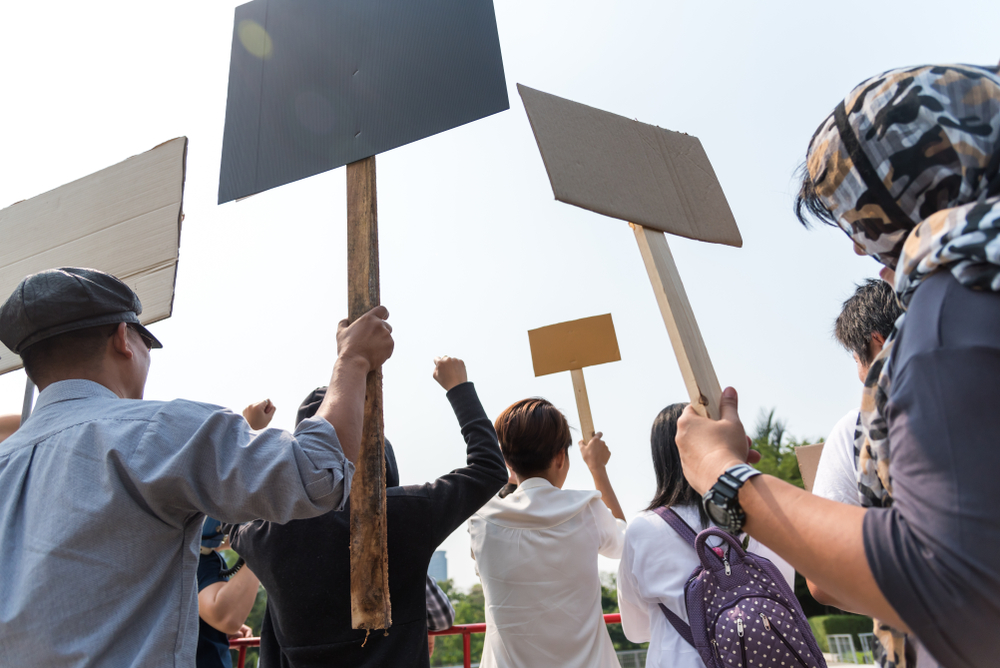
(672, 489)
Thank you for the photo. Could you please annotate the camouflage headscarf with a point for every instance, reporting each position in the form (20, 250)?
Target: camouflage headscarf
(909, 167)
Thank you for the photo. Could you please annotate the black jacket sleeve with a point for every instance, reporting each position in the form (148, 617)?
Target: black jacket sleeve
(454, 497)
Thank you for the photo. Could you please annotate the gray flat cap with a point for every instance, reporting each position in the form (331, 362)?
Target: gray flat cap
(62, 300)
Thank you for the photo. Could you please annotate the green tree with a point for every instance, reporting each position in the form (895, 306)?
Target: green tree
(777, 453)
(470, 608)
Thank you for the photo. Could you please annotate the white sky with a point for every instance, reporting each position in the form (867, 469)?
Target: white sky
(474, 249)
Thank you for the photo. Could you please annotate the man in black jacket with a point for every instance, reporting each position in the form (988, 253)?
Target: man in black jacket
(305, 564)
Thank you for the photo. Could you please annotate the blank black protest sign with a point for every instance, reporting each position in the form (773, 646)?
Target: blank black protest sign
(317, 84)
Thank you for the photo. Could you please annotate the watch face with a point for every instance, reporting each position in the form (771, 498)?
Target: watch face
(717, 513)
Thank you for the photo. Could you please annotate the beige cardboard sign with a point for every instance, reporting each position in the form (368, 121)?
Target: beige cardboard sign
(629, 170)
(125, 220)
(573, 345)
(808, 458)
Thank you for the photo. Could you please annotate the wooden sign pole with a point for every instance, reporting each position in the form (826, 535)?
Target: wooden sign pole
(571, 346)
(685, 336)
(582, 404)
(370, 607)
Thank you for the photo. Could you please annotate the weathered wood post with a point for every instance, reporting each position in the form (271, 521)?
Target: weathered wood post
(318, 85)
(370, 607)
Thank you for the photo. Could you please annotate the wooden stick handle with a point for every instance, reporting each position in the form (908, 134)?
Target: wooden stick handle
(582, 405)
(370, 608)
(689, 347)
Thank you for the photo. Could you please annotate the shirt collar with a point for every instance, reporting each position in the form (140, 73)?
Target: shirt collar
(67, 390)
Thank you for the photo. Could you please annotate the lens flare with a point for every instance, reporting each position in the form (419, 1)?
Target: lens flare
(255, 39)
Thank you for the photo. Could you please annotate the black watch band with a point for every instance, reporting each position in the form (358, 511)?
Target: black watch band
(722, 500)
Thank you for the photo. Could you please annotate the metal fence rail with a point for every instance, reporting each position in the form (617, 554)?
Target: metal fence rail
(843, 646)
(464, 630)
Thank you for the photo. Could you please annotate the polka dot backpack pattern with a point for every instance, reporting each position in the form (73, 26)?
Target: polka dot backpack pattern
(741, 610)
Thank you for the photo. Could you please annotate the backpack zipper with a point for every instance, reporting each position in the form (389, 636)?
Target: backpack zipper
(725, 562)
(743, 647)
(787, 644)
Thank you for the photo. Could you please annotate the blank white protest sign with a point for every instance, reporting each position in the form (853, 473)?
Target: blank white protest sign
(125, 220)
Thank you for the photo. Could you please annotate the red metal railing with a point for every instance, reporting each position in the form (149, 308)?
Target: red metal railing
(465, 630)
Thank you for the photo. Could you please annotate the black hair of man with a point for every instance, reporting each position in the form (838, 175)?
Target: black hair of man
(672, 489)
(73, 348)
(873, 308)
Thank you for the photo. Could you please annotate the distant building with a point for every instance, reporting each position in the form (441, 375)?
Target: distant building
(439, 566)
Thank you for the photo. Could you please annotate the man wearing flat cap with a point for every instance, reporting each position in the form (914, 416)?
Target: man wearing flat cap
(102, 495)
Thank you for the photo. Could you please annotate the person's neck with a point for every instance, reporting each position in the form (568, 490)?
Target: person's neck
(550, 476)
(99, 376)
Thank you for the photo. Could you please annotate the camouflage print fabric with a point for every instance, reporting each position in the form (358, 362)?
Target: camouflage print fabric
(909, 166)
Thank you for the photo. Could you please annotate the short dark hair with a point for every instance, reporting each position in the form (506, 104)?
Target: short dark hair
(78, 346)
(531, 433)
(872, 308)
(672, 488)
(808, 204)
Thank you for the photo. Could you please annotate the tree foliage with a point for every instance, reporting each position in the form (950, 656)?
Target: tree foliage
(470, 608)
(777, 451)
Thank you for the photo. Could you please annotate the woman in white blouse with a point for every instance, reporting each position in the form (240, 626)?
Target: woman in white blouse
(536, 548)
(656, 562)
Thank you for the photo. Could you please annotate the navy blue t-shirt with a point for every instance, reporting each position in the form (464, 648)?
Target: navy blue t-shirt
(213, 644)
(934, 553)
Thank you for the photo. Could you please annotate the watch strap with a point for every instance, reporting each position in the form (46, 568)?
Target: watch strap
(724, 495)
(739, 474)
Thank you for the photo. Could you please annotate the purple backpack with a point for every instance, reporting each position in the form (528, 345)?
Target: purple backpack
(742, 612)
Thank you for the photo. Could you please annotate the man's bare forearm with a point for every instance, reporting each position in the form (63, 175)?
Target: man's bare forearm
(344, 404)
(822, 539)
(226, 605)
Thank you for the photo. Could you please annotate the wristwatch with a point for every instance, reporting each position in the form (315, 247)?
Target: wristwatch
(722, 500)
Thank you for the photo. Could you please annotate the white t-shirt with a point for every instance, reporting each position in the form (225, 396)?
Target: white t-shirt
(656, 564)
(836, 475)
(536, 551)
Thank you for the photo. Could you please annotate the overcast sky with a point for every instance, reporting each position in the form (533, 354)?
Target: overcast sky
(474, 249)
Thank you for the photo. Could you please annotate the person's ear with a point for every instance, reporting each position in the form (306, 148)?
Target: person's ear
(120, 341)
(563, 459)
(875, 346)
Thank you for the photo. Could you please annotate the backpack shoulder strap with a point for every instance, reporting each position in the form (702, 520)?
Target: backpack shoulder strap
(683, 629)
(687, 533)
(677, 524)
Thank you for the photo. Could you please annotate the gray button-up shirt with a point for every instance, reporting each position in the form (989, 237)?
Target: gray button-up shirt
(101, 505)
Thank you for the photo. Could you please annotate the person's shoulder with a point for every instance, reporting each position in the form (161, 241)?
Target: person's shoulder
(839, 445)
(846, 424)
(647, 525)
(185, 412)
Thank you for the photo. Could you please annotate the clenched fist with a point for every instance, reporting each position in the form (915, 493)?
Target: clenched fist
(449, 372)
(595, 452)
(259, 414)
(369, 338)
